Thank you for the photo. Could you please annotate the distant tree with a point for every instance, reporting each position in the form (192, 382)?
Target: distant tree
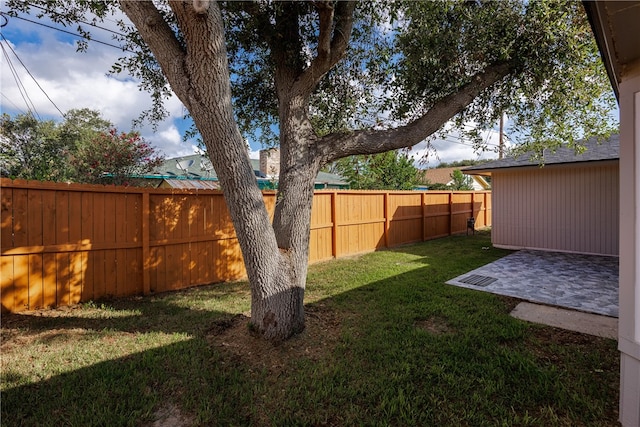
(116, 158)
(435, 186)
(459, 163)
(386, 171)
(82, 148)
(81, 126)
(460, 181)
(33, 149)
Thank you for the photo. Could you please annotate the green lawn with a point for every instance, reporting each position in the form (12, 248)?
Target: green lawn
(387, 343)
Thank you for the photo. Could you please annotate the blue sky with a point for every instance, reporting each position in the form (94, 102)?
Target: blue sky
(81, 80)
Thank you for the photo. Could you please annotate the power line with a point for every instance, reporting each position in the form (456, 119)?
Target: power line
(20, 86)
(12, 103)
(79, 20)
(31, 75)
(75, 34)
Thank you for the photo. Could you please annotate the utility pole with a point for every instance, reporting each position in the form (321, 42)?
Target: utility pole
(501, 143)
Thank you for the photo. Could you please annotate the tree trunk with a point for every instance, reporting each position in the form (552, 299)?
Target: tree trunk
(199, 76)
(281, 313)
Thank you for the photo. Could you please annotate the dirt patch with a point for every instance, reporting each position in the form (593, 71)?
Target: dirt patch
(434, 325)
(542, 340)
(233, 336)
(509, 302)
(169, 415)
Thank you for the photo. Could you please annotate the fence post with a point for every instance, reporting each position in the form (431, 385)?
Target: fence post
(473, 205)
(450, 213)
(334, 226)
(386, 219)
(486, 209)
(146, 261)
(424, 215)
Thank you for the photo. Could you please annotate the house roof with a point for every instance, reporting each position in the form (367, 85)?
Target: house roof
(595, 152)
(614, 25)
(199, 168)
(439, 175)
(443, 176)
(190, 184)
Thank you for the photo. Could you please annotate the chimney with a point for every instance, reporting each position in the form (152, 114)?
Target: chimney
(270, 162)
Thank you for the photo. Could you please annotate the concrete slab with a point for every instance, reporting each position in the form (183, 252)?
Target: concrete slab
(586, 323)
(579, 282)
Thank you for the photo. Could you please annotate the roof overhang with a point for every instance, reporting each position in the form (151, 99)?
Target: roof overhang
(615, 27)
(490, 171)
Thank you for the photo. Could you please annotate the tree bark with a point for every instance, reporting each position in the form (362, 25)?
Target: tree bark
(199, 76)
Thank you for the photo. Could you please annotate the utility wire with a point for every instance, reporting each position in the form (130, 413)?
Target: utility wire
(79, 20)
(75, 34)
(31, 75)
(23, 91)
(12, 103)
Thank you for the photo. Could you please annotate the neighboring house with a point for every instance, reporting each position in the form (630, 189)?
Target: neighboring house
(442, 176)
(570, 204)
(196, 172)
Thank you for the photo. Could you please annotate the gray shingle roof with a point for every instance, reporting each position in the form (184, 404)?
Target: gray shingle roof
(607, 150)
(198, 170)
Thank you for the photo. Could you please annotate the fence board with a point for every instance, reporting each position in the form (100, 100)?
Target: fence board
(110, 277)
(120, 226)
(76, 277)
(36, 285)
(75, 217)
(21, 282)
(133, 276)
(49, 280)
(7, 284)
(6, 218)
(20, 217)
(98, 266)
(86, 293)
(99, 232)
(62, 244)
(120, 272)
(34, 230)
(62, 217)
(110, 218)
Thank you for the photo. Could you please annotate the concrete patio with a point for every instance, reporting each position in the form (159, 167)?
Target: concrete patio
(587, 283)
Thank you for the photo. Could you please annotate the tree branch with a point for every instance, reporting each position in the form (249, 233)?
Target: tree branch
(329, 53)
(335, 146)
(161, 40)
(325, 12)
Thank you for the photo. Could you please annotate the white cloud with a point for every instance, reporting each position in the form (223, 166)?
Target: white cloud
(81, 80)
(169, 140)
(454, 148)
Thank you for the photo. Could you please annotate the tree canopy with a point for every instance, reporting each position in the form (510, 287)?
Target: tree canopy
(385, 171)
(460, 181)
(403, 58)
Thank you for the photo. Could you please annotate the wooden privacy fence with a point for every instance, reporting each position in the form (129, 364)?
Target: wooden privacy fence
(66, 243)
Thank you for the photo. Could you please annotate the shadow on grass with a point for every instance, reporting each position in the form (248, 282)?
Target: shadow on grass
(395, 348)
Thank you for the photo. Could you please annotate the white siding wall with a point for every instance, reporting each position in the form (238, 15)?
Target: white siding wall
(571, 208)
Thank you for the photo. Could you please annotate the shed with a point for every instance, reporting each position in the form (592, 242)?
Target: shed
(570, 203)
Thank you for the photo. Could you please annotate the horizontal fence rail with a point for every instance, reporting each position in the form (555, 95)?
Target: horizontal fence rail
(66, 243)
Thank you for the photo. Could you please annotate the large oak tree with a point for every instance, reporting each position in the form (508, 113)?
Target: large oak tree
(335, 79)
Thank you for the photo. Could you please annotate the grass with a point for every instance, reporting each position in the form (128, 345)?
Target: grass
(387, 343)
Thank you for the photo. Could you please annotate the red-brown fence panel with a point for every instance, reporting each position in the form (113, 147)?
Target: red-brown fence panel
(65, 243)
